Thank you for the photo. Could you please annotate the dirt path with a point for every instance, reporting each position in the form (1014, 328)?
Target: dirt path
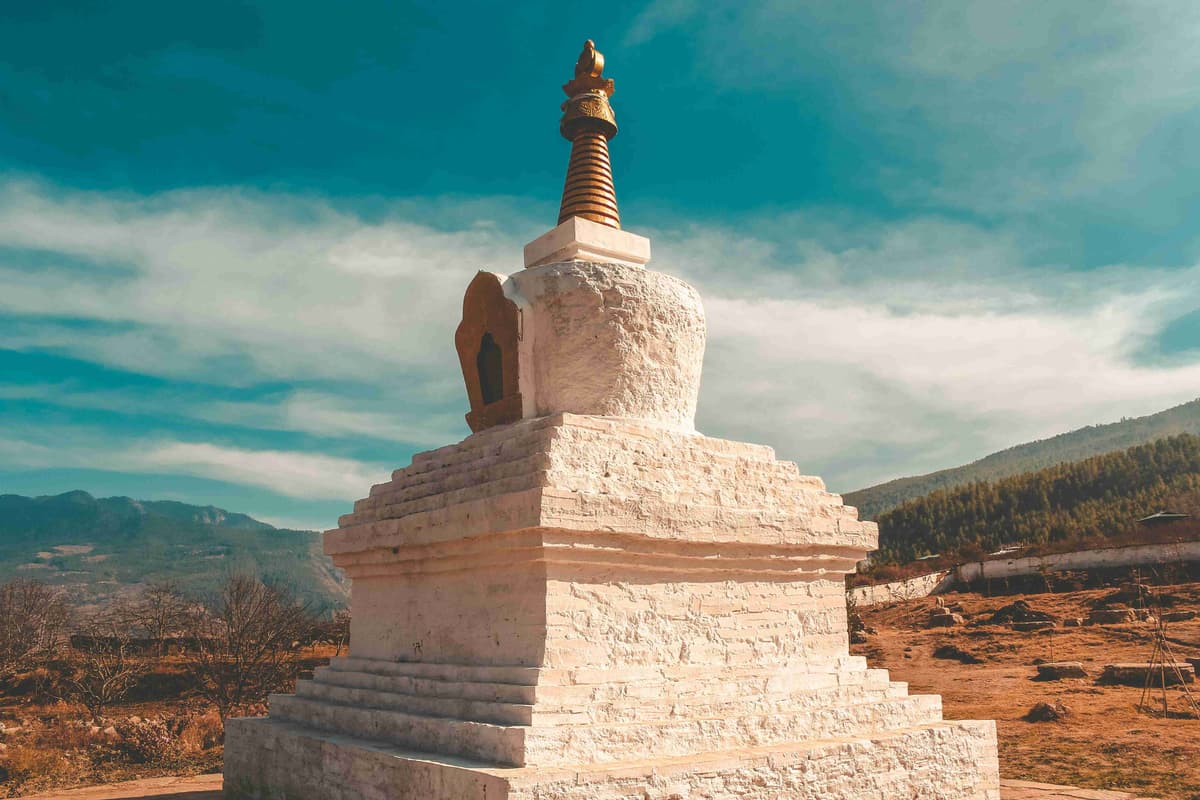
(200, 787)
(208, 787)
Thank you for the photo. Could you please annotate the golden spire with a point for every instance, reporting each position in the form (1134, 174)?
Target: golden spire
(588, 122)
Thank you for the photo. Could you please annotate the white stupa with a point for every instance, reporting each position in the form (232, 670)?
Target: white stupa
(586, 599)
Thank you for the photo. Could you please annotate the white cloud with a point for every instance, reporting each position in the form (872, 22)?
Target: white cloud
(324, 414)
(859, 348)
(285, 286)
(356, 414)
(658, 16)
(861, 364)
(287, 472)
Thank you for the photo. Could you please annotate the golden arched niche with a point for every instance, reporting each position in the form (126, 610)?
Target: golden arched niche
(486, 341)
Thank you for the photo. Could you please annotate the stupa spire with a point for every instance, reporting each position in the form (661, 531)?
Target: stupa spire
(588, 122)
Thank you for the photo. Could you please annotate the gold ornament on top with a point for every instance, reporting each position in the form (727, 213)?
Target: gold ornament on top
(588, 122)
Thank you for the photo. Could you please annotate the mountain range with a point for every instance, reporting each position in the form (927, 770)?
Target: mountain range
(1076, 445)
(100, 548)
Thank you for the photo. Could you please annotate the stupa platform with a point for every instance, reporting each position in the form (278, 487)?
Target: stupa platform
(596, 474)
(939, 759)
(581, 607)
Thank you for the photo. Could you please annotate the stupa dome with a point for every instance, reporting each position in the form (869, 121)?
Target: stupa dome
(585, 328)
(613, 340)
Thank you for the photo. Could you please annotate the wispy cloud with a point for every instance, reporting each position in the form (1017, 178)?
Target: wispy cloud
(860, 389)
(221, 281)
(869, 350)
(861, 348)
(1001, 108)
(290, 473)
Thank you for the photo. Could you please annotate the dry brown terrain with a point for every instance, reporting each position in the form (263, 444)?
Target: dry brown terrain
(163, 729)
(1104, 742)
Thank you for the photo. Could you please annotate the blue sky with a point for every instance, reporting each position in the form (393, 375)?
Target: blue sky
(234, 236)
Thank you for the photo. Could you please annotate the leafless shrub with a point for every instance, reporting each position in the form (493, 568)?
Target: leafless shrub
(334, 630)
(244, 643)
(854, 620)
(33, 617)
(201, 732)
(158, 613)
(104, 672)
(147, 741)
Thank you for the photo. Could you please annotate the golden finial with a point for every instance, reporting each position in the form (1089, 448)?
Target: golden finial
(590, 61)
(588, 122)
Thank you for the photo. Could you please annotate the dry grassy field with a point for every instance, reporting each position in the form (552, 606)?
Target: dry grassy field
(162, 729)
(1104, 741)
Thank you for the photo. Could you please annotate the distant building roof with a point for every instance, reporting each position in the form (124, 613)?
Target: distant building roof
(930, 557)
(1163, 516)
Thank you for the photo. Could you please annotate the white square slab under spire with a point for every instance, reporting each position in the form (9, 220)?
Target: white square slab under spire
(580, 239)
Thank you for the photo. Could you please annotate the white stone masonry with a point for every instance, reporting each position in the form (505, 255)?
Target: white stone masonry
(580, 607)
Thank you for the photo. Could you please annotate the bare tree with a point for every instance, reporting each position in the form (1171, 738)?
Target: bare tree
(104, 668)
(245, 643)
(159, 612)
(334, 630)
(33, 617)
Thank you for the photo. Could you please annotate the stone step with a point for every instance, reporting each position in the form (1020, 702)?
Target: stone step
(835, 670)
(699, 689)
(444, 481)
(584, 705)
(464, 673)
(475, 462)
(495, 744)
(632, 710)
(490, 442)
(470, 453)
(521, 473)
(421, 705)
(428, 687)
(583, 687)
(569, 743)
(606, 742)
(657, 688)
(439, 499)
(466, 461)
(953, 759)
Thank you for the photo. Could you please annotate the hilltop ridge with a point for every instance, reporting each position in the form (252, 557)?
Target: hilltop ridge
(1076, 445)
(1094, 501)
(98, 548)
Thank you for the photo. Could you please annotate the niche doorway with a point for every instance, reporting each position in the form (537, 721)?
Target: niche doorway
(490, 363)
(488, 351)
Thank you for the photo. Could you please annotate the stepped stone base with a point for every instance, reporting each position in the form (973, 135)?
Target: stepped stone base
(271, 759)
(591, 608)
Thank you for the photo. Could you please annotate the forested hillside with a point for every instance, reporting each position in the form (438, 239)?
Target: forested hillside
(1074, 446)
(97, 549)
(1097, 498)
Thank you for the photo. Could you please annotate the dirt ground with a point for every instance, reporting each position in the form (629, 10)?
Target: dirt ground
(1104, 742)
